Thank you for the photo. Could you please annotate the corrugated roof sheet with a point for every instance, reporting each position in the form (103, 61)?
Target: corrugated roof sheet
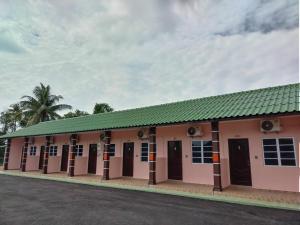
(273, 100)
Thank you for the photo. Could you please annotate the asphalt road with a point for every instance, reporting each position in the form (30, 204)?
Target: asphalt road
(25, 201)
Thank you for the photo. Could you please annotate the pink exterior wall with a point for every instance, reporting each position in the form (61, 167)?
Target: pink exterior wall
(287, 178)
(81, 165)
(192, 173)
(140, 169)
(54, 164)
(99, 169)
(161, 172)
(115, 170)
(81, 162)
(32, 163)
(264, 177)
(15, 154)
(284, 178)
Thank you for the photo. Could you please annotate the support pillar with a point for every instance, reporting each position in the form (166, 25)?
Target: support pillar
(107, 138)
(152, 155)
(46, 155)
(6, 154)
(216, 156)
(24, 154)
(72, 153)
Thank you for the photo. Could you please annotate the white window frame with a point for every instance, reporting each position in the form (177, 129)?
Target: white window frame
(77, 151)
(114, 151)
(53, 147)
(202, 151)
(141, 148)
(278, 151)
(33, 148)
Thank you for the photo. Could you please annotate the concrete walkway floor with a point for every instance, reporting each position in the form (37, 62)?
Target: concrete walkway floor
(233, 194)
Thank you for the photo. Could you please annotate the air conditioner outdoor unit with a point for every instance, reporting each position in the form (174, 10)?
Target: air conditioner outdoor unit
(270, 125)
(194, 132)
(143, 134)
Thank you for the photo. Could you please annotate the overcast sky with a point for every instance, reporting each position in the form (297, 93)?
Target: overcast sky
(132, 53)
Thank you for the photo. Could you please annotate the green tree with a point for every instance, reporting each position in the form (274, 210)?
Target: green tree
(12, 118)
(5, 121)
(102, 108)
(77, 113)
(43, 106)
(16, 116)
(2, 149)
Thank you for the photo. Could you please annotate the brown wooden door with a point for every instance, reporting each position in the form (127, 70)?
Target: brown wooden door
(41, 162)
(128, 154)
(240, 170)
(174, 160)
(64, 158)
(92, 159)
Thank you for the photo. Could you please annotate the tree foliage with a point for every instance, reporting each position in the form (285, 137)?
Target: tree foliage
(102, 108)
(12, 118)
(77, 113)
(42, 106)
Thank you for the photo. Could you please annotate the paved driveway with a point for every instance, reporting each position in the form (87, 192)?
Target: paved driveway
(31, 201)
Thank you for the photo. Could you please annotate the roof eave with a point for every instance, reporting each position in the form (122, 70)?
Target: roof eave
(9, 136)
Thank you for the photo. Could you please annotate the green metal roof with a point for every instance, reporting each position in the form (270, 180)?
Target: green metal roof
(273, 100)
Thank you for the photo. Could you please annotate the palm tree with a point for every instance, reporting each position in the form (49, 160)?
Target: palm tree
(16, 116)
(102, 108)
(5, 121)
(43, 106)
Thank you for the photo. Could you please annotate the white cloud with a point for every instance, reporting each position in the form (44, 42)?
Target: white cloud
(132, 53)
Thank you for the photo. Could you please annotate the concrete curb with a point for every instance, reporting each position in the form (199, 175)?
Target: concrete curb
(152, 189)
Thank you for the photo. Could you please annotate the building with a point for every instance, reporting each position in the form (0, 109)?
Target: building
(247, 138)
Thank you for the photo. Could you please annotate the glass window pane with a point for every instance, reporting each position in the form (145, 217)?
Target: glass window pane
(196, 143)
(112, 150)
(286, 148)
(269, 141)
(207, 149)
(287, 155)
(144, 159)
(207, 154)
(144, 145)
(270, 149)
(207, 143)
(271, 161)
(197, 160)
(285, 141)
(207, 160)
(288, 162)
(144, 152)
(112, 147)
(197, 154)
(271, 155)
(196, 149)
